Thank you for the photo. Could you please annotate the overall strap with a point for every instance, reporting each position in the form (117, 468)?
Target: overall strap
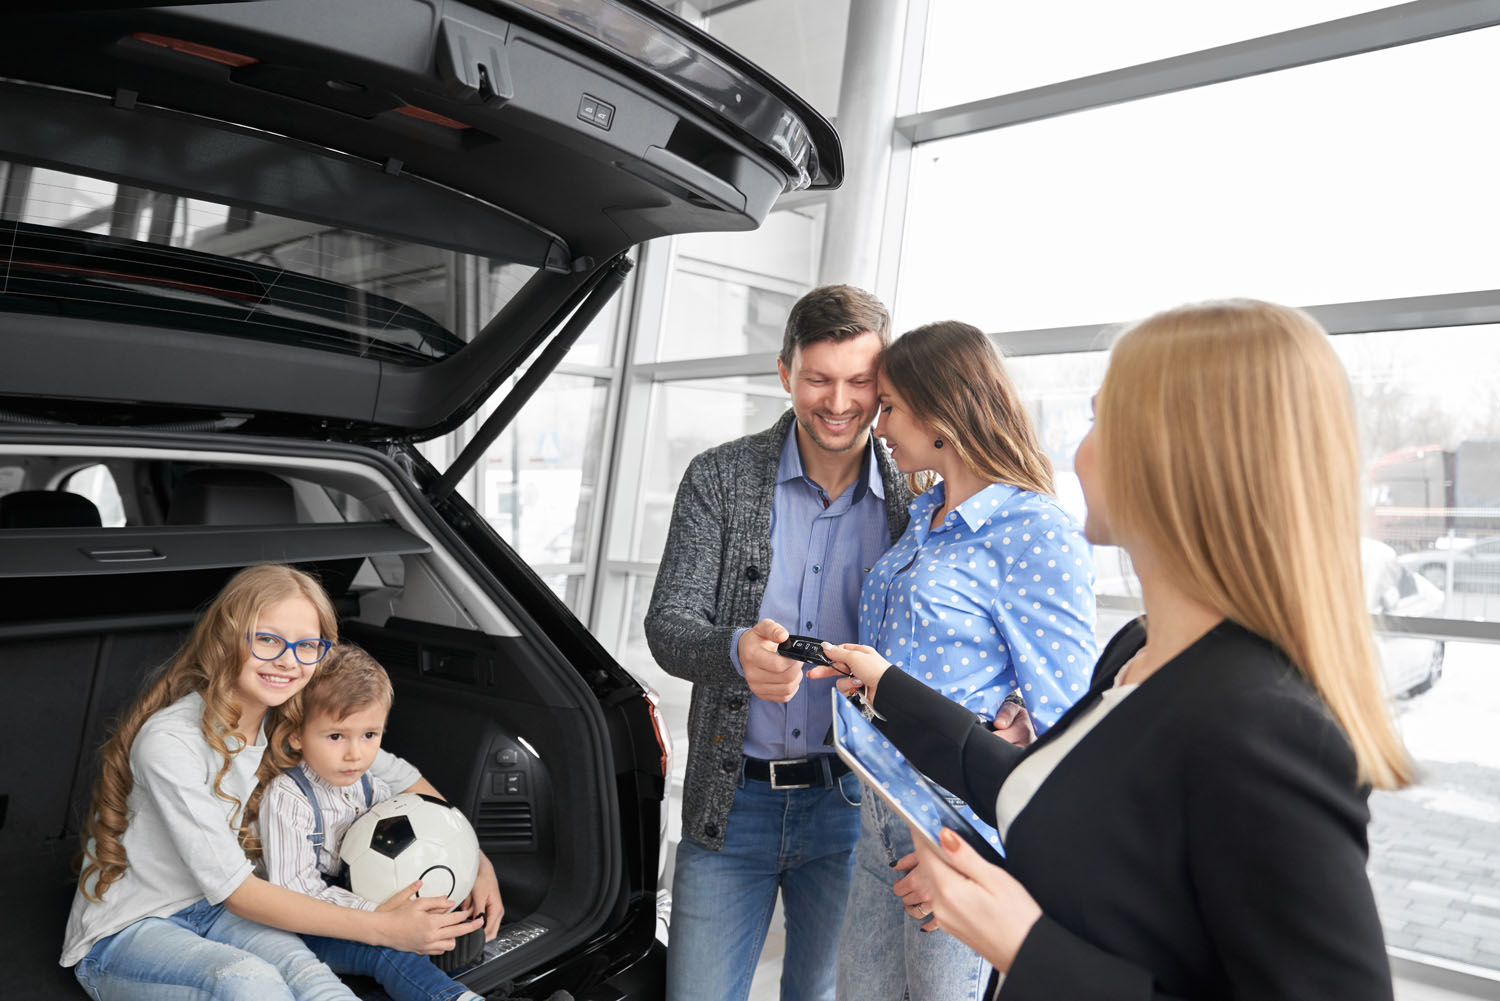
(305, 784)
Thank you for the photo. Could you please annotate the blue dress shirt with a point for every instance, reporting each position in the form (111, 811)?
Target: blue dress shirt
(998, 597)
(820, 553)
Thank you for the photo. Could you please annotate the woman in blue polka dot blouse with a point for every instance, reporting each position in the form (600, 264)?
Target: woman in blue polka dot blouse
(989, 592)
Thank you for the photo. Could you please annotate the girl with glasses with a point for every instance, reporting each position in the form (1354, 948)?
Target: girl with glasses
(166, 899)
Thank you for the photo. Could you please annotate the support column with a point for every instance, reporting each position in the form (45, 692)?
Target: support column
(868, 96)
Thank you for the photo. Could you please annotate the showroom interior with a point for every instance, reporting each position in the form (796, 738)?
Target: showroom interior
(1050, 172)
(1047, 172)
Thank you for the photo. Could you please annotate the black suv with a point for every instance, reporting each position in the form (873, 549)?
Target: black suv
(220, 345)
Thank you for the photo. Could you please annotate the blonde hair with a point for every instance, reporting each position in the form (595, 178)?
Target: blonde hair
(953, 379)
(1228, 446)
(208, 663)
(348, 680)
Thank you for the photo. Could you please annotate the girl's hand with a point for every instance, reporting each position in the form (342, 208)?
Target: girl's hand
(485, 898)
(980, 904)
(860, 667)
(400, 897)
(425, 925)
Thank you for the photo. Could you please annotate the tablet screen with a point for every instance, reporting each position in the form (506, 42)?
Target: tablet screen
(871, 755)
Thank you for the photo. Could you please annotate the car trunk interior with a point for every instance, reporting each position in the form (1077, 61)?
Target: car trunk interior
(492, 718)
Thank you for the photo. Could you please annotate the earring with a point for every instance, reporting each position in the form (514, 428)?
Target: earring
(938, 443)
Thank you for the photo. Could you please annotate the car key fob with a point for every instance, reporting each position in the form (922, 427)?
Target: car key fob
(808, 649)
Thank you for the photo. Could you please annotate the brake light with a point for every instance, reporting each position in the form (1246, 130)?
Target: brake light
(663, 735)
(208, 52)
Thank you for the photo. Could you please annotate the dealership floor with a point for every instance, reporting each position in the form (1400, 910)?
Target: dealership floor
(1435, 863)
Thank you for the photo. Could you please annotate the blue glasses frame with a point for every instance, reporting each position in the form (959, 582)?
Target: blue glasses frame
(296, 646)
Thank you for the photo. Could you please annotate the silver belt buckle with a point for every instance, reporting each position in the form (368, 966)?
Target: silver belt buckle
(790, 785)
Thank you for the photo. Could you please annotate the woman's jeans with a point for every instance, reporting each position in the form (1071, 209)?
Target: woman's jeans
(883, 953)
(205, 953)
(405, 976)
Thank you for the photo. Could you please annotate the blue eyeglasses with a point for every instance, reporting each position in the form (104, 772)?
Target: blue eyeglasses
(269, 646)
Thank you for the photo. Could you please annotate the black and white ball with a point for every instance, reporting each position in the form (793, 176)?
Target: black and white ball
(410, 837)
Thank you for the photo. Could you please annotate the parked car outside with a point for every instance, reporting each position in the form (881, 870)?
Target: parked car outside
(238, 245)
(1474, 563)
(1410, 664)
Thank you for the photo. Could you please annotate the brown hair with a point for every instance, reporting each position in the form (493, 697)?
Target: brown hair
(208, 663)
(348, 680)
(833, 313)
(1228, 445)
(953, 379)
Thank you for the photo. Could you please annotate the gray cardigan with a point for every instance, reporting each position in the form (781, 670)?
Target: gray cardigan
(711, 581)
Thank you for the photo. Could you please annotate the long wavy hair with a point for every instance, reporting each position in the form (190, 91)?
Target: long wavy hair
(953, 379)
(1228, 446)
(208, 663)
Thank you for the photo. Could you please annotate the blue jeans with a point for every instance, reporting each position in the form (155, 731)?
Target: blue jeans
(205, 953)
(883, 954)
(405, 976)
(797, 841)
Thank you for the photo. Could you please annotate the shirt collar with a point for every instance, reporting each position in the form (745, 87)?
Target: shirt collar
(790, 466)
(975, 511)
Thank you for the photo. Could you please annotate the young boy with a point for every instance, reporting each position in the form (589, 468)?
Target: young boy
(344, 709)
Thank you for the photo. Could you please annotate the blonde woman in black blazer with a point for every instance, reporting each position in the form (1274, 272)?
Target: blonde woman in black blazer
(1194, 827)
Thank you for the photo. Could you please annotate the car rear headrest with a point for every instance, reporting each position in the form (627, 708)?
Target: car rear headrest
(47, 509)
(231, 497)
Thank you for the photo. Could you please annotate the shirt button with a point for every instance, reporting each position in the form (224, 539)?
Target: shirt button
(816, 568)
(796, 733)
(809, 623)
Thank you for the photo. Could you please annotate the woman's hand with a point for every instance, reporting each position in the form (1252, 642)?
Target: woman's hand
(860, 667)
(485, 898)
(980, 904)
(914, 889)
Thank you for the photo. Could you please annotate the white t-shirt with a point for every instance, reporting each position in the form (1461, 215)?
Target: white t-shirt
(180, 845)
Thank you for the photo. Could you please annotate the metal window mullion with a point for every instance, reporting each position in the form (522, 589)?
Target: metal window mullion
(760, 363)
(1427, 312)
(620, 499)
(1361, 33)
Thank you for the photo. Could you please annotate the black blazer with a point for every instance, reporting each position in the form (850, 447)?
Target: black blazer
(1205, 840)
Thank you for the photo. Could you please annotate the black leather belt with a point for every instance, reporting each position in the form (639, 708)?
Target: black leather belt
(797, 773)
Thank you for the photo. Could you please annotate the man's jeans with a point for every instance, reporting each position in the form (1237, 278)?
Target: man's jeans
(205, 953)
(883, 953)
(800, 841)
(405, 976)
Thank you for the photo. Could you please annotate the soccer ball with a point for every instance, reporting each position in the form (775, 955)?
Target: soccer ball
(410, 837)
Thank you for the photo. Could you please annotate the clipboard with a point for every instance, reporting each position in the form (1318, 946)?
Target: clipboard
(871, 756)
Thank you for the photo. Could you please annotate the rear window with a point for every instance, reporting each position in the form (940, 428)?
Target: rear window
(81, 246)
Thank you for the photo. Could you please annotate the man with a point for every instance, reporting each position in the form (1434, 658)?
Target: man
(772, 534)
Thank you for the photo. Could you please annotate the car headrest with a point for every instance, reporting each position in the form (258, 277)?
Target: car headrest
(231, 497)
(47, 509)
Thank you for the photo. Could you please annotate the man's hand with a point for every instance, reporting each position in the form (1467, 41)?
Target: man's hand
(770, 676)
(1013, 723)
